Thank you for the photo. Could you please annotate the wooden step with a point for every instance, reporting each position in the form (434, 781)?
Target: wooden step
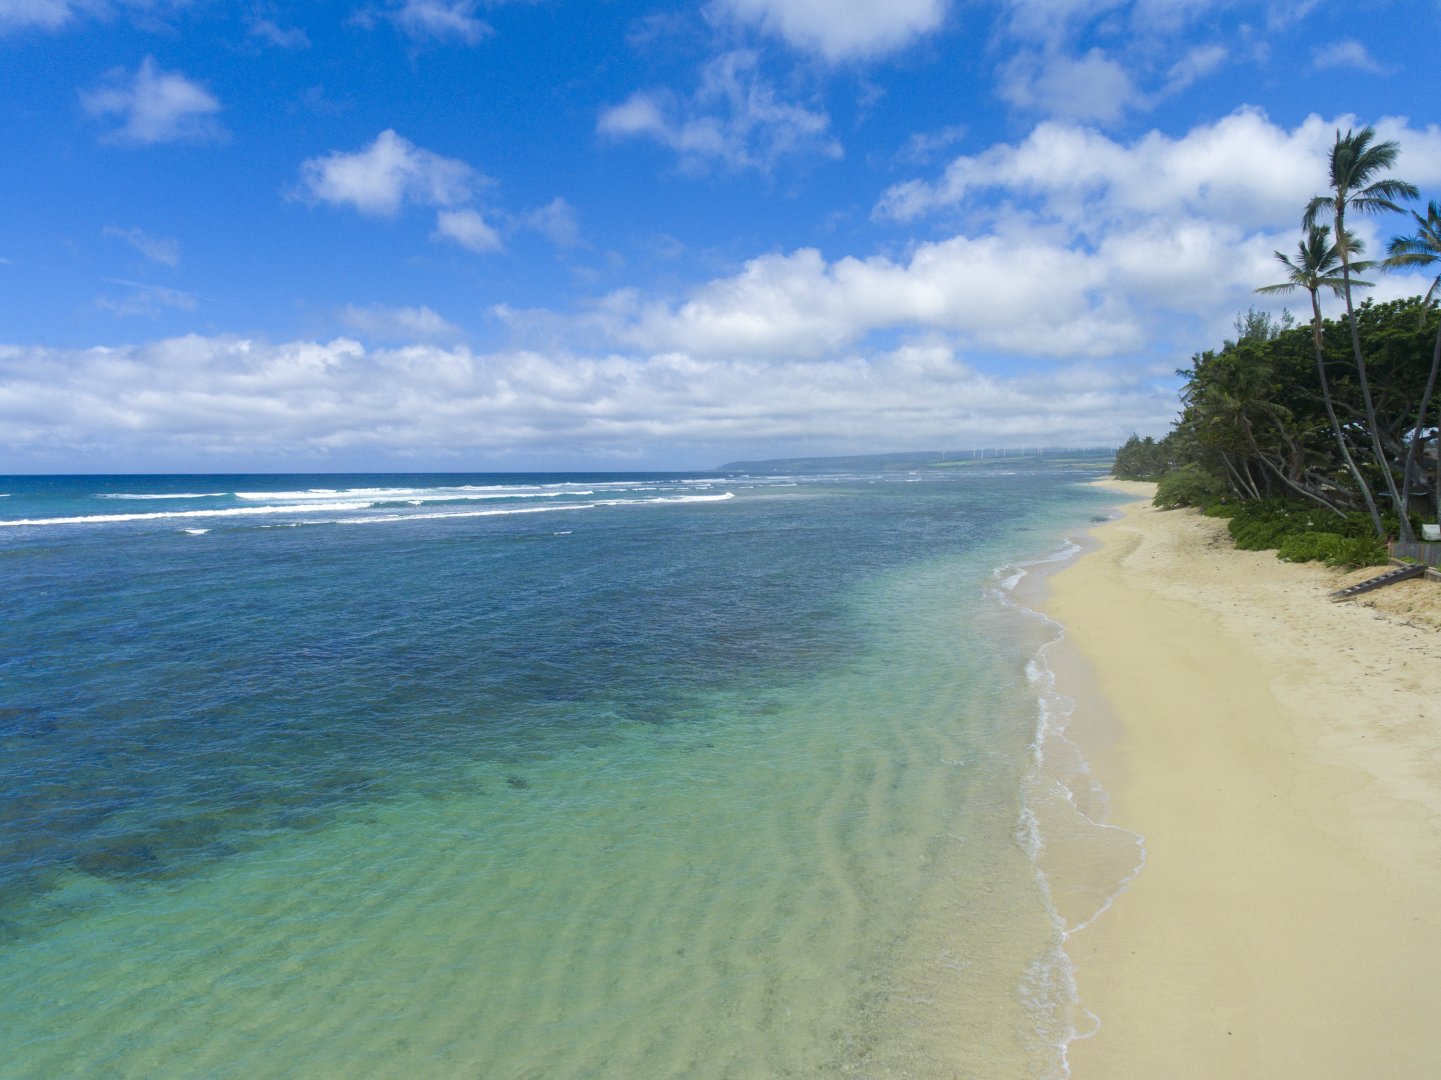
(1400, 573)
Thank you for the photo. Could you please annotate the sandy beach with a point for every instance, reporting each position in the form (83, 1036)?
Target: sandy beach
(1281, 755)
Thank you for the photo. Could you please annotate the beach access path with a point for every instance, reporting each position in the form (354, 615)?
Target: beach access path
(1281, 755)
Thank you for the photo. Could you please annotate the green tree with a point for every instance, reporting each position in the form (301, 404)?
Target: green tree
(1357, 163)
(1316, 267)
(1422, 250)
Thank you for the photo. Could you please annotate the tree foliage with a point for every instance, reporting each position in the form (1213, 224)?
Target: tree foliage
(1256, 417)
(1338, 420)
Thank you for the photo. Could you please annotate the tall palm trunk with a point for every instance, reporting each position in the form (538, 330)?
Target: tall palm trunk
(1371, 424)
(1416, 434)
(1316, 324)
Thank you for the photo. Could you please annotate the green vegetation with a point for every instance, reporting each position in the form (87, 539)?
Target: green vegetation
(1318, 440)
(1344, 551)
(1190, 485)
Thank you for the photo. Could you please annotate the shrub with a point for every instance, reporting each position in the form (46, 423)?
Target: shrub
(1256, 526)
(1353, 551)
(1308, 546)
(1189, 485)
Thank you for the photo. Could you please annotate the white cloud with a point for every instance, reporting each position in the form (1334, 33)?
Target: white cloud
(1345, 54)
(162, 249)
(923, 146)
(1242, 169)
(1140, 52)
(1089, 87)
(468, 229)
(1160, 239)
(402, 324)
(1196, 64)
(34, 14)
(385, 175)
(282, 37)
(392, 172)
(147, 300)
(232, 399)
(799, 306)
(52, 15)
(1078, 245)
(556, 221)
(1055, 22)
(840, 29)
(433, 20)
(155, 106)
(735, 117)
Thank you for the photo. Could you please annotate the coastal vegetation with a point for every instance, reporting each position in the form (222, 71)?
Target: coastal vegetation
(1319, 439)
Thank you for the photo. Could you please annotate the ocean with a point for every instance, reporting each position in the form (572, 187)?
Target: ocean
(506, 776)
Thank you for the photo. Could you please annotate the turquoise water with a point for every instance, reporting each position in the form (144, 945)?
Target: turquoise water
(499, 776)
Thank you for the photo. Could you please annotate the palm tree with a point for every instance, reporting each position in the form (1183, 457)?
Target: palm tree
(1423, 249)
(1355, 166)
(1315, 268)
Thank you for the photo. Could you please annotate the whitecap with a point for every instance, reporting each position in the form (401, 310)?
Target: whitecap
(239, 511)
(437, 515)
(158, 495)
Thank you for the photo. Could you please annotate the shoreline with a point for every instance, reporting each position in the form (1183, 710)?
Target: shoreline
(1273, 749)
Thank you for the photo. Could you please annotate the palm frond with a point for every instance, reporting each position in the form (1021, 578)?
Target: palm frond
(1318, 207)
(1390, 189)
(1410, 251)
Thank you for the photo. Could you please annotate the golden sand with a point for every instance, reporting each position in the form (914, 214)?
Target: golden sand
(1281, 754)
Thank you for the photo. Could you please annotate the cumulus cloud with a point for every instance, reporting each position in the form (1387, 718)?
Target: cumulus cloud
(468, 229)
(155, 106)
(161, 249)
(1241, 169)
(1078, 245)
(431, 20)
(242, 400)
(389, 173)
(398, 324)
(392, 173)
(735, 118)
(987, 290)
(1168, 234)
(839, 30)
(1099, 61)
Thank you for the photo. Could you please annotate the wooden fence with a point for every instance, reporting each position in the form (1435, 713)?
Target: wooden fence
(1416, 551)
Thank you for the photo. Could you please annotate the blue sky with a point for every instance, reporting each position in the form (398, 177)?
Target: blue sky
(540, 234)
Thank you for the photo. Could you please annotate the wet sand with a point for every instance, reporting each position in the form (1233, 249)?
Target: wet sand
(1281, 755)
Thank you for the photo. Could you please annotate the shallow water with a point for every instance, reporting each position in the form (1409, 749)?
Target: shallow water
(728, 786)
